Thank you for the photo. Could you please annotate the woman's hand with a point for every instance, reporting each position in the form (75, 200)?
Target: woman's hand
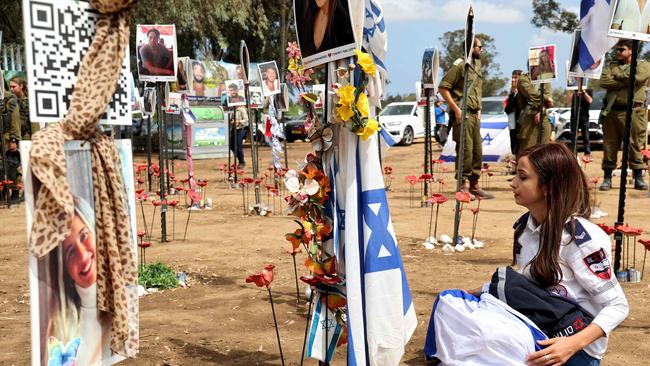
(559, 351)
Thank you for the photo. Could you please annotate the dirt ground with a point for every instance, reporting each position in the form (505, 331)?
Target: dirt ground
(220, 320)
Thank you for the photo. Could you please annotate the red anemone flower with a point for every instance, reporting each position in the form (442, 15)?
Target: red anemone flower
(630, 230)
(388, 170)
(426, 177)
(463, 197)
(607, 229)
(646, 243)
(587, 159)
(145, 244)
(263, 278)
(141, 234)
(437, 198)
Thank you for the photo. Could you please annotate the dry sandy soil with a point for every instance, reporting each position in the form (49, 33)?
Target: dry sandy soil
(220, 320)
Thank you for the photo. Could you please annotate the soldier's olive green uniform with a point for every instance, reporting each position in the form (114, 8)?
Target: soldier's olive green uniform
(11, 119)
(528, 99)
(454, 81)
(615, 79)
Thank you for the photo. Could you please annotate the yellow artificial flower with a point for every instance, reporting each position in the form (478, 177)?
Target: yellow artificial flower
(362, 105)
(344, 109)
(371, 127)
(292, 64)
(365, 61)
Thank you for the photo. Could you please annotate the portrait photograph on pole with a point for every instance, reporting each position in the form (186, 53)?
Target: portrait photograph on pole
(183, 71)
(469, 34)
(257, 100)
(235, 94)
(572, 81)
(541, 64)
(319, 91)
(581, 63)
(67, 327)
(156, 52)
(324, 30)
(427, 69)
(269, 76)
(631, 20)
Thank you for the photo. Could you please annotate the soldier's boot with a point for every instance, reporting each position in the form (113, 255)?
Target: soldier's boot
(607, 181)
(639, 184)
(478, 192)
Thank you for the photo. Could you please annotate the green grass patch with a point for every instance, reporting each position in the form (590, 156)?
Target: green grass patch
(157, 275)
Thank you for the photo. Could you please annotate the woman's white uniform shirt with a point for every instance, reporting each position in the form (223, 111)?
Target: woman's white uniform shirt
(587, 276)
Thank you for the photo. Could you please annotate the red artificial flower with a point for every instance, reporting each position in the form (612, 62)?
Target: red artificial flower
(587, 159)
(248, 180)
(316, 279)
(426, 177)
(185, 180)
(412, 179)
(141, 234)
(263, 278)
(388, 170)
(179, 188)
(141, 197)
(475, 210)
(645, 243)
(194, 196)
(630, 230)
(139, 191)
(173, 203)
(156, 203)
(594, 180)
(145, 244)
(257, 181)
(140, 180)
(606, 228)
(202, 183)
(463, 197)
(437, 198)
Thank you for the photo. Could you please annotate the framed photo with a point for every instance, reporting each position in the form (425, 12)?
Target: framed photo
(183, 67)
(583, 66)
(66, 327)
(319, 90)
(469, 34)
(572, 81)
(630, 21)
(235, 94)
(156, 52)
(150, 100)
(323, 38)
(541, 64)
(257, 100)
(269, 76)
(208, 79)
(427, 69)
(282, 99)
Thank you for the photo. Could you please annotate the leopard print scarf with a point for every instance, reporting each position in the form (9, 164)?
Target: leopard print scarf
(54, 207)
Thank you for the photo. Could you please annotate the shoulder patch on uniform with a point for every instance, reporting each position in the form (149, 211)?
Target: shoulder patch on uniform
(459, 60)
(598, 264)
(580, 235)
(521, 221)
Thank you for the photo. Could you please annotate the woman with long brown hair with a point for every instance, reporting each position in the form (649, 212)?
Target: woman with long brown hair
(560, 250)
(323, 25)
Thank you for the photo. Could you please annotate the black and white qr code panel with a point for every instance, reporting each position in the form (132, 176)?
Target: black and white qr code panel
(57, 35)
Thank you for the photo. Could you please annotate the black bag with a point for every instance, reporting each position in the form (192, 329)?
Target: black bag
(555, 315)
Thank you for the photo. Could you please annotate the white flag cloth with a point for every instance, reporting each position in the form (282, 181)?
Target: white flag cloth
(380, 313)
(594, 43)
(324, 332)
(375, 38)
(465, 330)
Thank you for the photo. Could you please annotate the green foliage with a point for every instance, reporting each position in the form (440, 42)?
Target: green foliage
(453, 48)
(157, 275)
(549, 14)
(399, 98)
(11, 21)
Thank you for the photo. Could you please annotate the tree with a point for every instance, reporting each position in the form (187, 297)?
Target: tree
(549, 14)
(453, 48)
(11, 21)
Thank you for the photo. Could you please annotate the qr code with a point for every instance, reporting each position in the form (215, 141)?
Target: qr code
(57, 35)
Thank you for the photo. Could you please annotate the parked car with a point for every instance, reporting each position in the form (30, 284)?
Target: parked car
(401, 120)
(294, 129)
(563, 121)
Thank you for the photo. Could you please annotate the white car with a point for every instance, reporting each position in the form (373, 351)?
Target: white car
(401, 120)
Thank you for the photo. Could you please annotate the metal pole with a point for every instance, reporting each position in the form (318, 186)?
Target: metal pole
(540, 127)
(149, 151)
(161, 161)
(620, 219)
(576, 126)
(236, 143)
(461, 151)
(427, 139)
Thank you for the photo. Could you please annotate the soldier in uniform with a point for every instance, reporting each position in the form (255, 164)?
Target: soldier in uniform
(615, 79)
(451, 89)
(528, 99)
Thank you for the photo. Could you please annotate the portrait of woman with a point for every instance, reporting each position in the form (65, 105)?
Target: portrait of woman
(632, 16)
(542, 66)
(269, 75)
(181, 73)
(323, 25)
(72, 330)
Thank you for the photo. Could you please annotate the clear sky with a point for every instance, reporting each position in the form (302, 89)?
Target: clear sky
(414, 25)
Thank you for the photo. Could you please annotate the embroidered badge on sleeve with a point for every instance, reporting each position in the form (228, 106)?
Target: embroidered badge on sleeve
(598, 264)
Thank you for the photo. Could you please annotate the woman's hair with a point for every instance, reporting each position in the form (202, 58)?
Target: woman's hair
(310, 9)
(56, 261)
(20, 81)
(566, 196)
(545, 64)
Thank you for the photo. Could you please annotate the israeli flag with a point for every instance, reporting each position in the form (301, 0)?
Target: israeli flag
(324, 332)
(375, 39)
(380, 313)
(593, 44)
